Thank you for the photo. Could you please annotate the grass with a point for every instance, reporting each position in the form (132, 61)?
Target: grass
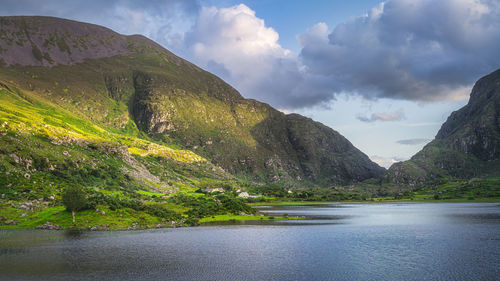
(74, 125)
(35, 129)
(104, 218)
(443, 190)
(45, 147)
(203, 113)
(149, 193)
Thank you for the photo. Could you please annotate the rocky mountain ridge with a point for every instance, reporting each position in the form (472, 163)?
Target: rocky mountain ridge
(466, 146)
(132, 86)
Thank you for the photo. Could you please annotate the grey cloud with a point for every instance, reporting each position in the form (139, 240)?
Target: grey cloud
(403, 49)
(413, 141)
(413, 50)
(383, 116)
(288, 88)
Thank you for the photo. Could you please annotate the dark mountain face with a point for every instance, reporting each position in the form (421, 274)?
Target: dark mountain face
(468, 143)
(475, 129)
(130, 84)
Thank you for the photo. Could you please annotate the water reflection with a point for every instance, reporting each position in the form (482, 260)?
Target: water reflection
(390, 214)
(340, 242)
(74, 234)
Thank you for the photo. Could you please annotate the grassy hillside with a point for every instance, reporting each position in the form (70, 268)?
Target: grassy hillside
(131, 85)
(45, 148)
(145, 135)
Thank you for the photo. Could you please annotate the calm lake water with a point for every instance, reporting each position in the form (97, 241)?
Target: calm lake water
(341, 242)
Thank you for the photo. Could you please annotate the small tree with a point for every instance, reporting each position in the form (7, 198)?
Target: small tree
(74, 199)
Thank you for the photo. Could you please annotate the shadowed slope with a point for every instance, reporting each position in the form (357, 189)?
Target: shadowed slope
(130, 85)
(467, 145)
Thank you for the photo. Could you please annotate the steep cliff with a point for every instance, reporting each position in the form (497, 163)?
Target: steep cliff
(467, 145)
(131, 86)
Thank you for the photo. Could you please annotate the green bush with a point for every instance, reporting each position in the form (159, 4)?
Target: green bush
(115, 203)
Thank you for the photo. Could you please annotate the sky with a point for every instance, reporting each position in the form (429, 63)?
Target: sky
(385, 74)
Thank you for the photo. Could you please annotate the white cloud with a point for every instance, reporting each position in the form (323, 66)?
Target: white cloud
(318, 34)
(383, 116)
(238, 46)
(386, 162)
(236, 39)
(235, 44)
(402, 49)
(421, 50)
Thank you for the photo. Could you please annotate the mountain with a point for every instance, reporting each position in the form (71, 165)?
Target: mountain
(80, 99)
(466, 146)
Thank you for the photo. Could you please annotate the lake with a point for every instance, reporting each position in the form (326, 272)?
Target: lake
(435, 241)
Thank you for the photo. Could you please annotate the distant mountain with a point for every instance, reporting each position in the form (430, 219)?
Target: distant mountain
(467, 145)
(85, 85)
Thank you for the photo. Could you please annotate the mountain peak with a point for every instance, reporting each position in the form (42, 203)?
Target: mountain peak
(49, 41)
(483, 93)
(468, 143)
(132, 84)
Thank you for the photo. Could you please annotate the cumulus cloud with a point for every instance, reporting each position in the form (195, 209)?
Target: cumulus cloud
(316, 35)
(238, 46)
(383, 116)
(413, 141)
(402, 49)
(406, 49)
(230, 42)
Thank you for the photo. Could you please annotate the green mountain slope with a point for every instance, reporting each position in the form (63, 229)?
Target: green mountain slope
(132, 88)
(131, 182)
(466, 146)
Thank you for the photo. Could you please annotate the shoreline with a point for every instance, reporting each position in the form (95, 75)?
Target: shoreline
(118, 226)
(305, 203)
(112, 223)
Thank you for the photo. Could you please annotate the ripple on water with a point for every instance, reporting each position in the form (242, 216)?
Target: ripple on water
(343, 242)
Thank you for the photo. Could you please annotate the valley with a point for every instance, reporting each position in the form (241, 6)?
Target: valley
(151, 140)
